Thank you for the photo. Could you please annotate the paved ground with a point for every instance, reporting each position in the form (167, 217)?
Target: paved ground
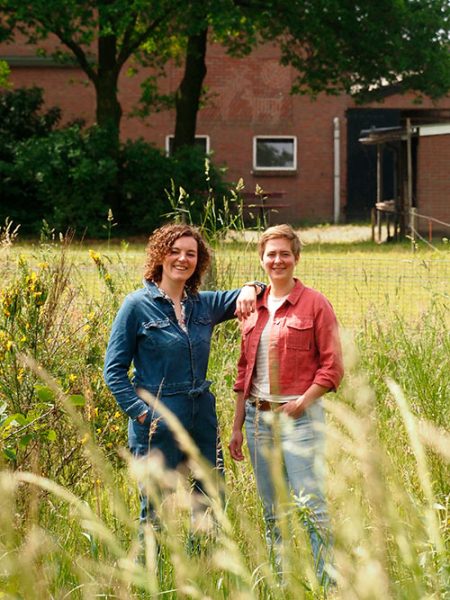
(324, 234)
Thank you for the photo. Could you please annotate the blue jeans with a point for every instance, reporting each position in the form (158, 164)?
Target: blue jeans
(197, 414)
(302, 448)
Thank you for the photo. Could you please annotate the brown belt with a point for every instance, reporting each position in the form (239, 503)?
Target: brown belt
(265, 404)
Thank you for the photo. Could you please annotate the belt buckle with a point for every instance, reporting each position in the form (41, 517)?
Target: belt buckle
(261, 404)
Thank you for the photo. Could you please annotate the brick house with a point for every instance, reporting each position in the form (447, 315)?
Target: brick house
(306, 154)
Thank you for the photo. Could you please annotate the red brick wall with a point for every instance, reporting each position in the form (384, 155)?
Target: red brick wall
(247, 97)
(433, 182)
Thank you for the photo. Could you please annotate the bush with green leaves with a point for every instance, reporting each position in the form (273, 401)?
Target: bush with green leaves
(72, 177)
(71, 172)
(48, 319)
(22, 116)
(148, 175)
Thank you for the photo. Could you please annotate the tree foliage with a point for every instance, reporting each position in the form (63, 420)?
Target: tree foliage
(335, 45)
(101, 36)
(360, 46)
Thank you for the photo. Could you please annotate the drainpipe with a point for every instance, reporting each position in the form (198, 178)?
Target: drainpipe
(337, 170)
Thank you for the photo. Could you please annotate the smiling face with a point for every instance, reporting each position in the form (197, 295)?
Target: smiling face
(181, 261)
(278, 260)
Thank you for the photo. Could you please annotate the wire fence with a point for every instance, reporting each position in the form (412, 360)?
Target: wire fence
(358, 287)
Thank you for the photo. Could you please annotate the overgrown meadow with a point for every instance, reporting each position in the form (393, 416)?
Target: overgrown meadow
(68, 488)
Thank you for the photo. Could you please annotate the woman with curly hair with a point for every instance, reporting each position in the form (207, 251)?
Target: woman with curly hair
(164, 329)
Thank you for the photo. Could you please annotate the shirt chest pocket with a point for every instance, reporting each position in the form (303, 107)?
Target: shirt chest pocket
(300, 333)
(159, 332)
(247, 333)
(201, 329)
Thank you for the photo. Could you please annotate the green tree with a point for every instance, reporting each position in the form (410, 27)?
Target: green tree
(359, 47)
(101, 36)
(364, 48)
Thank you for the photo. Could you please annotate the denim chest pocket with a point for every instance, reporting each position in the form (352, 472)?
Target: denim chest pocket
(159, 331)
(300, 333)
(201, 329)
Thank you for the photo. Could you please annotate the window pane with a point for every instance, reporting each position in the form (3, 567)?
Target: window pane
(200, 140)
(275, 152)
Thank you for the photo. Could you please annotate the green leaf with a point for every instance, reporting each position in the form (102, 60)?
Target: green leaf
(9, 453)
(16, 419)
(51, 435)
(44, 393)
(25, 440)
(77, 400)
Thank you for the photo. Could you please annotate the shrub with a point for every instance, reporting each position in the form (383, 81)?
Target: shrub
(70, 173)
(145, 173)
(71, 177)
(21, 118)
(45, 316)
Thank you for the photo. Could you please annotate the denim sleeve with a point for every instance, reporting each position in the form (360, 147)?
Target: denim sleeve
(119, 355)
(221, 305)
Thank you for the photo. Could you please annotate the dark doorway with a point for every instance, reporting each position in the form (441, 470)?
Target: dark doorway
(362, 161)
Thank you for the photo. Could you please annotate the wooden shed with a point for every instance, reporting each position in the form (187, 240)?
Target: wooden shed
(421, 201)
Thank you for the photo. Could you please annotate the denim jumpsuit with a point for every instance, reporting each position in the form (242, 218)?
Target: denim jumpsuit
(169, 363)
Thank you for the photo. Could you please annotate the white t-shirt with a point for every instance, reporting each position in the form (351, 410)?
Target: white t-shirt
(261, 378)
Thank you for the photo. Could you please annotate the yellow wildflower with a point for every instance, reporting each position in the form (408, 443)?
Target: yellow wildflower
(94, 255)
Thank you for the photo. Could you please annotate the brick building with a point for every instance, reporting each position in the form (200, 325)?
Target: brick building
(305, 154)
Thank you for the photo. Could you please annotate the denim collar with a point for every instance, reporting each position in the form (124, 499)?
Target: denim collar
(155, 291)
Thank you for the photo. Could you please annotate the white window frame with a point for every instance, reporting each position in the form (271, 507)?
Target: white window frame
(274, 137)
(203, 137)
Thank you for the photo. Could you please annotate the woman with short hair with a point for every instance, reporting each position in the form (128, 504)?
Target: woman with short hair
(290, 357)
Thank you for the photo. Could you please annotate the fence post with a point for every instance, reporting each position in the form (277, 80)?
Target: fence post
(412, 227)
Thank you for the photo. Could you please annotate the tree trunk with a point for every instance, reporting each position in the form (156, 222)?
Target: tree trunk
(188, 96)
(109, 111)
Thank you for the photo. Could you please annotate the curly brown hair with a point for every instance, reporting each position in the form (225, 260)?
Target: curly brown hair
(159, 245)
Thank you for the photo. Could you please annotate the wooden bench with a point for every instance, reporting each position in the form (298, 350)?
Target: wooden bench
(263, 204)
(388, 210)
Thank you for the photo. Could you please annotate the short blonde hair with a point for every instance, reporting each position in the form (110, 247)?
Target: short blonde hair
(280, 231)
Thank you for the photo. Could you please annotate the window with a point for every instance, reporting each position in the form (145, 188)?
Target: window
(274, 153)
(200, 140)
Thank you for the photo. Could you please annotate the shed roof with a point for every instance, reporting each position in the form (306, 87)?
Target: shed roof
(382, 135)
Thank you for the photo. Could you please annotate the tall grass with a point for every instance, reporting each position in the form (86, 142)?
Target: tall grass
(68, 488)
